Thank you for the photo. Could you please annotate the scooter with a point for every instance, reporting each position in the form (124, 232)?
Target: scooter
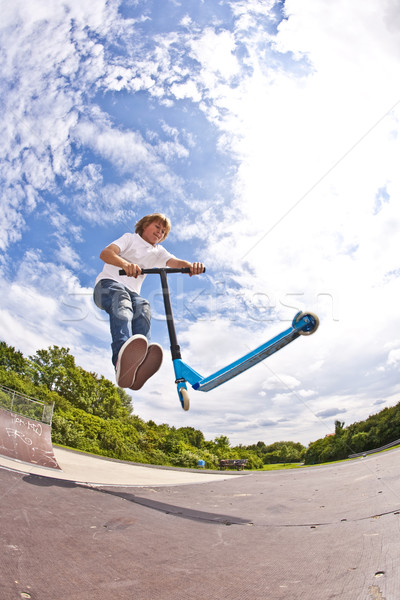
(302, 324)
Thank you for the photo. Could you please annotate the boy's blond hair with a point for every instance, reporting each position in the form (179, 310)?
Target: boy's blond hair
(144, 221)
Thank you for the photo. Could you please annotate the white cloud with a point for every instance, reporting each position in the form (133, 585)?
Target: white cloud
(11, 220)
(53, 62)
(215, 52)
(394, 357)
(186, 90)
(125, 150)
(45, 306)
(280, 381)
(67, 255)
(317, 148)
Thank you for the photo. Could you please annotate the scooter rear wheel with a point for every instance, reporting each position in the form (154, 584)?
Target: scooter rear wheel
(313, 322)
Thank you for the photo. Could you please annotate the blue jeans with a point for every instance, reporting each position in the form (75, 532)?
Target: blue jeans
(129, 313)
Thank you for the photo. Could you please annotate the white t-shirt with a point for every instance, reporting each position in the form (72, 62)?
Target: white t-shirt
(135, 249)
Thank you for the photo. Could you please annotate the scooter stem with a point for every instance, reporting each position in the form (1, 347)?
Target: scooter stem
(175, 348)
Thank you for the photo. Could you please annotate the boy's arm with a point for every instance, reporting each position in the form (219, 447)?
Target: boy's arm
(195, 268)
(111, 256)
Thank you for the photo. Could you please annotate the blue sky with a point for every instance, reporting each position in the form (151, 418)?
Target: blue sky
(268, 132)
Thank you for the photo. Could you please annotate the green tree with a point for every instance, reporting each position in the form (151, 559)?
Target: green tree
(192, 436)
(52, 368)
(55, 369)
(221, 447)
(12, 359)
(222, 442)
(339, 427)
(359, 442)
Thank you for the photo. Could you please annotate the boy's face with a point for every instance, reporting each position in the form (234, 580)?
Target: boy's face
(154, 232)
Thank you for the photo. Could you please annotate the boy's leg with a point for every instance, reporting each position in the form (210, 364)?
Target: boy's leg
(113, 297)
(141, 315)
(154, 356)
(128, 351)
(129, 314)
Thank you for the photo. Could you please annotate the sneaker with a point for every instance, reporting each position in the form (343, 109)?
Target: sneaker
(149, 366)
(130, 357)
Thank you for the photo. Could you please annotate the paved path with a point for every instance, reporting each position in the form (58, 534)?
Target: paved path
(84, 468)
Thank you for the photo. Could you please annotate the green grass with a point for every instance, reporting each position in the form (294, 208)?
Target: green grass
(280, 466)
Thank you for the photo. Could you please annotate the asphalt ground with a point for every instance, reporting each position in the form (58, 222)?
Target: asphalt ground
(323, 532)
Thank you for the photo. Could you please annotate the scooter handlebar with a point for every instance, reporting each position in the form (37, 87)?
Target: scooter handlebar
(158, 271)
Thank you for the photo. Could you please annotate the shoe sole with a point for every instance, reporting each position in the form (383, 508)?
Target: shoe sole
(131, 355)
(148, 367)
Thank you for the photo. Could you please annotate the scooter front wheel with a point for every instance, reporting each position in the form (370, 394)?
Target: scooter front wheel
(184, 398)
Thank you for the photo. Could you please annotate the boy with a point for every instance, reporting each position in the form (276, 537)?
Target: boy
(134, 359)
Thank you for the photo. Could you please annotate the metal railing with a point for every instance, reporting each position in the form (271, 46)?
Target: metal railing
(386, 447)
(25, 405)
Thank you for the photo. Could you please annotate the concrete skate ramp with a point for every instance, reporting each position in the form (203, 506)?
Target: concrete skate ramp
(317, 533)
(26, 440)
(79, 467)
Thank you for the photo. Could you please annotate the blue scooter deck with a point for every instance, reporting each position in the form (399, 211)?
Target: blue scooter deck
(247, 361)
(303, 324)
